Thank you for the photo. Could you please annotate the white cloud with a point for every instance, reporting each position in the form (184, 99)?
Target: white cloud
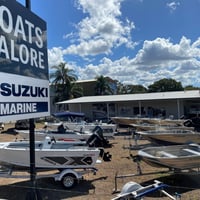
(92, 47)
(102, 29)
(157, 59)
(173, 5)
(55, 56)
(162, 50)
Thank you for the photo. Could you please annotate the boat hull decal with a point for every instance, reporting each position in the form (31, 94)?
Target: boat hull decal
(68, 160)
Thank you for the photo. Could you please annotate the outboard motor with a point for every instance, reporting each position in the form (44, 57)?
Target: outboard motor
(193, 122)
(97, 139)
(188, 123)
(106, 156)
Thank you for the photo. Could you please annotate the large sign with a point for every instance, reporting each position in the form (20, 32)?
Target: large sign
(24, 78)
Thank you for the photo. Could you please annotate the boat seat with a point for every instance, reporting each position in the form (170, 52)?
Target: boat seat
(165, 154)
(192, 151)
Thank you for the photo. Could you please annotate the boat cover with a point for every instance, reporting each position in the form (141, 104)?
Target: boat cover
(68, 114)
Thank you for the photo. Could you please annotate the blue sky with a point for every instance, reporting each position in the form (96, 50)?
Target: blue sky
(132, 41)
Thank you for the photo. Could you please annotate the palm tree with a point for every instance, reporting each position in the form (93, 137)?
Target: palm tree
(102, 86)
(75, 90)
(64, 80)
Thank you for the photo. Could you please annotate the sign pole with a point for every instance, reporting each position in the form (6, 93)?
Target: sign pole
(25, 94)
(28, 4)
(34, 194)
(32, 152)
(31, 132)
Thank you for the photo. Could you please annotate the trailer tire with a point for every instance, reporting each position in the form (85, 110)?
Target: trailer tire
(69, 181)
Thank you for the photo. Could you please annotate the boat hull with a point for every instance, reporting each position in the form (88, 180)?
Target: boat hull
(171, 163)
(67, 135)
(57, 156)
(172, 157)
(171, 137)
(109, 130)
(75, 121)
(129, 121)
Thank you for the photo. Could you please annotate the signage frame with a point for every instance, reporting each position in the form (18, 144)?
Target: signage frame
(24, 73)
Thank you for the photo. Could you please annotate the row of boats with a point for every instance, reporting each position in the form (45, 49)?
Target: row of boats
(55, 153)
(70, 125)
(176, 143)
(69, 159)
(58, 147)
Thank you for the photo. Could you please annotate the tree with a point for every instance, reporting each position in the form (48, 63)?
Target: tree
(129, 89)
(190, 87)
(102, 86)
(121, 88)
(63, 80)
(165, 85)
(75, 90)
(135, 89)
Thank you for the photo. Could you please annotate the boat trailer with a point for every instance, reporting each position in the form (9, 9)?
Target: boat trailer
(133, 190)
(69, 178)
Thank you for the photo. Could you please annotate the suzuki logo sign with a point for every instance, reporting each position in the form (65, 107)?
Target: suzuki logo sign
(24, 78)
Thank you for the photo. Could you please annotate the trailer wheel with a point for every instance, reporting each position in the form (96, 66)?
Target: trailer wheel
(69, 181)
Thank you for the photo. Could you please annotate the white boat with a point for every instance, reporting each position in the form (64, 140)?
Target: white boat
(144, 127)
(173, 136)
(130, 121)
(49, 154)
(109, 130)
(75, 121)
(172, 157)
(95, 139)
(40, 134)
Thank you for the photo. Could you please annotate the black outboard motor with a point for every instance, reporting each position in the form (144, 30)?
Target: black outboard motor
(188, 123)
(193, 122)
(97, 139)
(105, 155)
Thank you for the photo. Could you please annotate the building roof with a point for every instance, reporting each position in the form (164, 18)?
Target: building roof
(189, 94)
(88, 80)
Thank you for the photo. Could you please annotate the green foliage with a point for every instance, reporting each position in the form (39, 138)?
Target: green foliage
(190, 87)
(102, 86)
(121, 89)
(165, 85)
(130, 89)
(65, 86)
(64, 80)
(135, 89)
(75, 90)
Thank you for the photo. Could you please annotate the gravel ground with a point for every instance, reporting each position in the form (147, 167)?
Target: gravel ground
(103, 186)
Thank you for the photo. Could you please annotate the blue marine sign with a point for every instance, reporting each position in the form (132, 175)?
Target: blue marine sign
(24, 78)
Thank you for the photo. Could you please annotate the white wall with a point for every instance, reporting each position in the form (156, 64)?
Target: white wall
(126, 109)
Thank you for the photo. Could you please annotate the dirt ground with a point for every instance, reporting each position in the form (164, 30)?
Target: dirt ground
(104, 185)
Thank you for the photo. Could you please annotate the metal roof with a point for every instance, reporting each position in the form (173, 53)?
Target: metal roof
(189, 94)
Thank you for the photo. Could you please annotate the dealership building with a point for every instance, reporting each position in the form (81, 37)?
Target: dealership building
(160, 104)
